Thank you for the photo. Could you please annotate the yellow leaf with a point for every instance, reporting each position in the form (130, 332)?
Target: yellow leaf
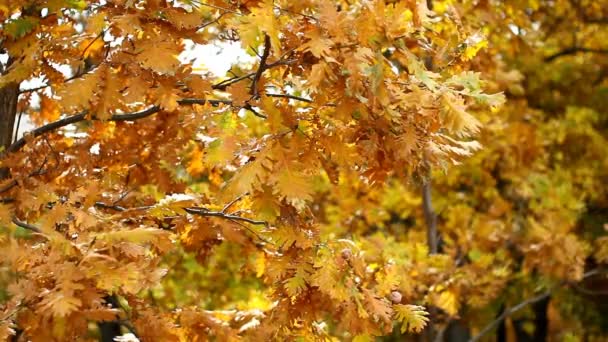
(157, 237)
(275, 118)
(182, 19)
(380, 308)
(413, 318)
(295, 285)
(91, 46)
(260, 264)
(195, 166)
(59, 304)
(166, 97)
(456, 118)
(159, 55)
(75, 95)
(448, 302)
(471, 50)
(108, 101)
(48, 109)
(294, 186)
(239, 93)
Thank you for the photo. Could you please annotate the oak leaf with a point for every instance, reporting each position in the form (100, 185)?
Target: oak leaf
(413, 318)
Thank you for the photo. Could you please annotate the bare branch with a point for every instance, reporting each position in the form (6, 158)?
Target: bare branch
(231, 203)
(292, 97)
(255, 112)
(206, 212)
(226, 83)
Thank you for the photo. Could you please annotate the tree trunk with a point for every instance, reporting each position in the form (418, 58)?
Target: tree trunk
(8, 110)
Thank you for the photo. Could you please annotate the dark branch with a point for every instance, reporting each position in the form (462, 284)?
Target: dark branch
(572, 51)
(508, 312)
(209, 213)
(73, 77)
(120, 208)
(231, 203)
(255, 112)
(430, 217)
(17, 145)
(261, 68)
(25, 225)
(226, 83)
(292, 97)
(14, 182)
(191, 210)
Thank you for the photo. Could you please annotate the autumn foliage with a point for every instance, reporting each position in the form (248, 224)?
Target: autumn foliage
(384, 169)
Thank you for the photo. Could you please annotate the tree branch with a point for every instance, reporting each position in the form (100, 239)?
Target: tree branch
(508, 312)
(226, 83)
(206, 212)
(201, 211)
(261, 68)
(14, 182)
(572, 51)
(17, 145)
(292, 97)
(25, 225)
(430, 217)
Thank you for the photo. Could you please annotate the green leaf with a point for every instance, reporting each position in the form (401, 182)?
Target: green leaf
(17, 28)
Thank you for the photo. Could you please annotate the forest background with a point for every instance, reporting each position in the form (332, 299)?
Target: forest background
(366, 170)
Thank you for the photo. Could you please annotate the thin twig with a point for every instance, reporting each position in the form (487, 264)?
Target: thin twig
(71, 78)
(258, 236)
(18, 125)
(55, 154)
(210, 213)
(255, 112)
(231, 203)
(296, 13)
(92, 42)
(225, 83)
(292, 97)
(211, 22)
(120, 208)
